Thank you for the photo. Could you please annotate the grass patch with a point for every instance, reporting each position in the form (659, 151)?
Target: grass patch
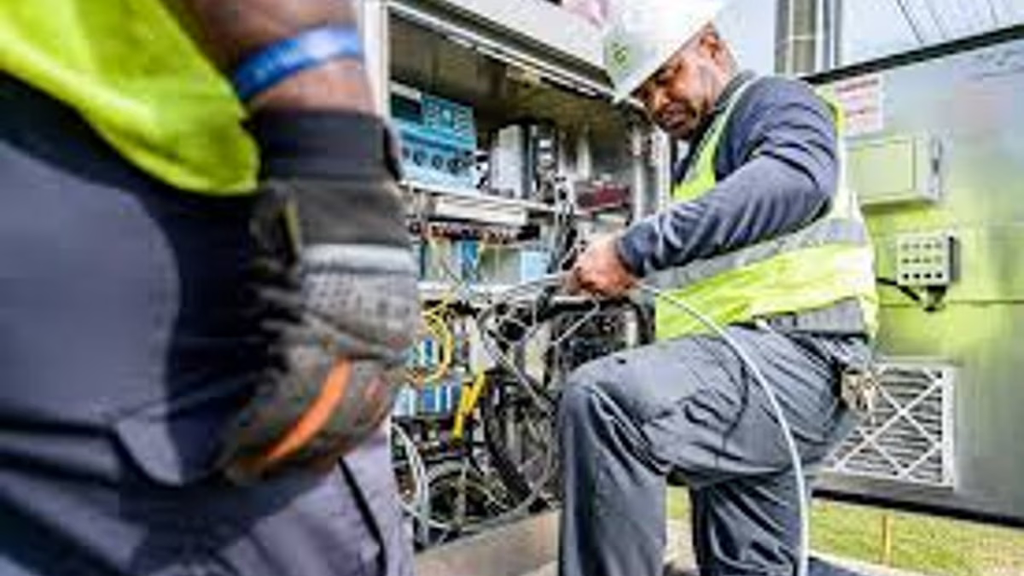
(924, 544)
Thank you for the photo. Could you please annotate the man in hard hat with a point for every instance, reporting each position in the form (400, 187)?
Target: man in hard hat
(206, 284)
(761, 236)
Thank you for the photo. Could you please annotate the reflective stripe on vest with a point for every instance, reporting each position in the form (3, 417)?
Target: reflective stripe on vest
(828, 262)
(134, 74)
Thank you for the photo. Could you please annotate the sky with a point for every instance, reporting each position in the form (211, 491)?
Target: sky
(872, 28)
(749, 26)
(878, 27)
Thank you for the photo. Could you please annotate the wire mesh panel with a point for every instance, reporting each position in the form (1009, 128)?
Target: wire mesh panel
(909, 436)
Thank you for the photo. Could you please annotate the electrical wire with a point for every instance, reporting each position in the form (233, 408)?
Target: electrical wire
(755, 371)
(911, 21)
(418, 506)
(905, 290)
(434, 316)
(958, 23)
(417, 470)
(556, 278)
(787, 434)
(940, 25)
(993, 14)
(438, 263)
(491, 347)
(467, 404)
(438, 329)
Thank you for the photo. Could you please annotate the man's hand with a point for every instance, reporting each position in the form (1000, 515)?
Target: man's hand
(338, 316)
(599, 270)
(335, 274)
(336, 280)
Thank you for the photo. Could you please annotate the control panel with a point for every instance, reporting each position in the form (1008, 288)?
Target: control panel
(925, 259)
(438, 138)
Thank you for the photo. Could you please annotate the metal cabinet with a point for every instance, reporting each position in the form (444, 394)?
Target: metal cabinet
(938, 156)
(517, 61)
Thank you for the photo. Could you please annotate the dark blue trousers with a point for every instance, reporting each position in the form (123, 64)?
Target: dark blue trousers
(127, 338)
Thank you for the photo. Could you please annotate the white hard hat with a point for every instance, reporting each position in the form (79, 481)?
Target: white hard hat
(642, 35)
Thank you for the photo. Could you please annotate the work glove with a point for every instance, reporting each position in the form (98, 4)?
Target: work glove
(336, 279)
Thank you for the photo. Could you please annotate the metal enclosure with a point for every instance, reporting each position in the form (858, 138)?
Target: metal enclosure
(519, 60)
(495, 81)
(936, 151)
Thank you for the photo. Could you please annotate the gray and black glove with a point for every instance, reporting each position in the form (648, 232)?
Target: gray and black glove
(338, 280)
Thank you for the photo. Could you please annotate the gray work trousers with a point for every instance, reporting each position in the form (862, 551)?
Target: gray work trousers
(689, 409)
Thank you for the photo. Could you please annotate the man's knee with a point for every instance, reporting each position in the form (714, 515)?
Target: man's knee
(596, 375)
(578, 397)
(586, 383)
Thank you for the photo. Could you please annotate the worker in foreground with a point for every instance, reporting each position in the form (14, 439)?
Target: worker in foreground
(761, 236)
(206, 288)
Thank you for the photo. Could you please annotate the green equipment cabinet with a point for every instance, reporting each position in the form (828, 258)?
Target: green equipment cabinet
(936, 154)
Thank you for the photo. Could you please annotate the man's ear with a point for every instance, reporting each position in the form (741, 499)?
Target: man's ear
(711, 42)
(715, 48)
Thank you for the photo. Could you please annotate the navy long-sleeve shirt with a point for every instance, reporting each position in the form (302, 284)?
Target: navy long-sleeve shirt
(777, 170)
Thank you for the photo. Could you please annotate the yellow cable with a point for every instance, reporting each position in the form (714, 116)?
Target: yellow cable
(445, 338)
(438, 327)
(452, 293)
(467, 404)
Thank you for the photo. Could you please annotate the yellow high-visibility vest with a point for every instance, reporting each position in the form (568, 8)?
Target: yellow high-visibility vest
(827, 262)
(130, 69)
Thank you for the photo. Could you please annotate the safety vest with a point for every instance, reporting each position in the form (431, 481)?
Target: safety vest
(139, 80)
(825, 263)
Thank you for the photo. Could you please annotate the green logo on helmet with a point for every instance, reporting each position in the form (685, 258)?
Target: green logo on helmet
(620, 54)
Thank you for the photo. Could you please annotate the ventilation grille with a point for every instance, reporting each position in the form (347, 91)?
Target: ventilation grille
(909, 438)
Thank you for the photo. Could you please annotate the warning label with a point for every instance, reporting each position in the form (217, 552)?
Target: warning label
(863, 101)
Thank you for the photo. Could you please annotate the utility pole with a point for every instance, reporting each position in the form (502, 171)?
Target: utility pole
(808, 33)
(832, 33)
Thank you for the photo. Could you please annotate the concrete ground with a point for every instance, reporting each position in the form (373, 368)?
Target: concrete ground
(529, 548)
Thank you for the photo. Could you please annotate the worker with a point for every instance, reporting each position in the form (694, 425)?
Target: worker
(206, 288)
(762, 237)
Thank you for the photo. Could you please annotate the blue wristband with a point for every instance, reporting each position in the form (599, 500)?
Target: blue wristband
(291, 55)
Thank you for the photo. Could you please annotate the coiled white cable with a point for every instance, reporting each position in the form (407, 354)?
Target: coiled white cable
(744, 356)
(787, 434)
